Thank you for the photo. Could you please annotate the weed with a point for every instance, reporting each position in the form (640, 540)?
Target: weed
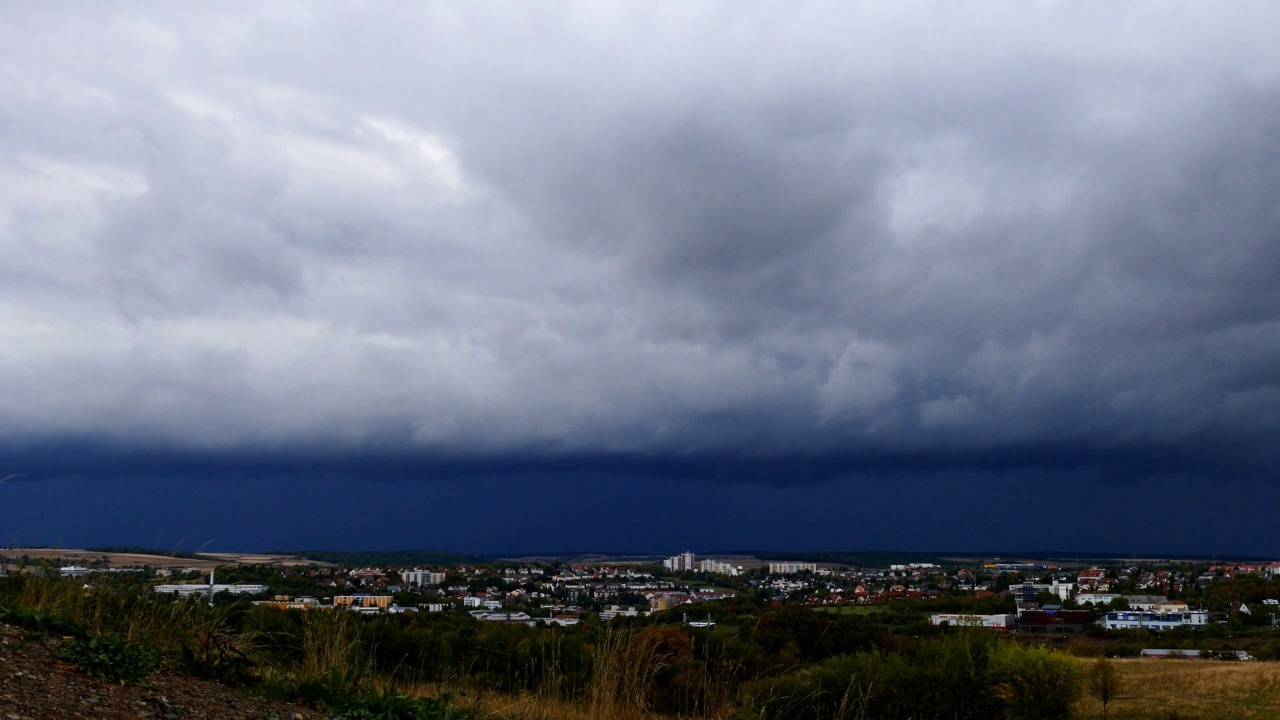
(112, 658)
(391, 705)
(40, 621)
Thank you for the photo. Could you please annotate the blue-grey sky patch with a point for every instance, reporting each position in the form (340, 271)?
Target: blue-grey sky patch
(795, 242)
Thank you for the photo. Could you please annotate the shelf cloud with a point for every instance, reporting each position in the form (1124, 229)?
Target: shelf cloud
(763, 242)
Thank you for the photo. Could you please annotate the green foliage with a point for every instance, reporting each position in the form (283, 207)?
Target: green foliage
(1035, 682)
(349, 696)
(791, 635)
(40, 621)
(971, 675)
(391, 705)
(112, 658)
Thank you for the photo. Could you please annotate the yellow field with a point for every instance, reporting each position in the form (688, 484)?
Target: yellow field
(159, 561)
(1192, 690)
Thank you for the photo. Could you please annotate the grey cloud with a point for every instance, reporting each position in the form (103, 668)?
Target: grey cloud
(764, 230)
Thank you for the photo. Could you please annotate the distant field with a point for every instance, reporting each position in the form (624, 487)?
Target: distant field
(160, 561)
(1193, 690)
(262, 559)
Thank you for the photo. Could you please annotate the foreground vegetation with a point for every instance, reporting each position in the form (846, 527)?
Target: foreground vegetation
(760, 663)
(1183, 690)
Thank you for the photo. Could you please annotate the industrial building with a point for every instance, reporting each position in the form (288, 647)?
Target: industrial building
(999, 622)
(1128, 620)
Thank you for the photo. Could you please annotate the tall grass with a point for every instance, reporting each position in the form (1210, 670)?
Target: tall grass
(330, 646)
(203, 637)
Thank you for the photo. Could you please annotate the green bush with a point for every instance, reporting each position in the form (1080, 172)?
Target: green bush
(112, 658)
(350, 697)
(972, 675)
(1035, 682)
(391, 705)
(40, 621)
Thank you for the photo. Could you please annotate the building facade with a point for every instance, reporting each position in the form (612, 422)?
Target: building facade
(999, 622)
(791, 568)
(1129, 620)
(684, 562)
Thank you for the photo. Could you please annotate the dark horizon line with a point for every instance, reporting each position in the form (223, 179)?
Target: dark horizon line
(1011, 555)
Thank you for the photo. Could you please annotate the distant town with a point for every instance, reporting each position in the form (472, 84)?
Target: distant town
(690, 635)
(1018, 597)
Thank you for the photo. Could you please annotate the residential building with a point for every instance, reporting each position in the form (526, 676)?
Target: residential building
(514, 617)
(684, 562)
(614, 611)
(422, 578)
(720, 568)
(1027, 592)
(790, 568)
(379, 602)
(1093, 579)
(1096, 598)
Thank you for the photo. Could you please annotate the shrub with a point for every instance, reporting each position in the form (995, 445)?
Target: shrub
(112, 658)
(40, 621)
(349, 697)
(971, 675)
(1035, 682)
(391, 705)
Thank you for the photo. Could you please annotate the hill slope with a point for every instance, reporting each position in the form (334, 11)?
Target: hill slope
(34, 684)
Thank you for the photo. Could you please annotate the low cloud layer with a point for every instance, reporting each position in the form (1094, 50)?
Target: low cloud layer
(842, 236)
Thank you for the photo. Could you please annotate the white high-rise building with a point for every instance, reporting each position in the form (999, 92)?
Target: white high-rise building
(715, 566)
(791, 568)
(422, 578)
(684, 562)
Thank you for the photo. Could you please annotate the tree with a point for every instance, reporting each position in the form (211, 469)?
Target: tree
(1104, 682)
(1034, 682)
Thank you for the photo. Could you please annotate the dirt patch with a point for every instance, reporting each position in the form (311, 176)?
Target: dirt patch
(34, 685)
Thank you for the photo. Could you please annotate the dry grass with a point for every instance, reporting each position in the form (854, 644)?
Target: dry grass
(329, 645)
(490, 705)
(626, 666)
(152, 620)
(1154, 690)
(494, 706)
(1192, 690)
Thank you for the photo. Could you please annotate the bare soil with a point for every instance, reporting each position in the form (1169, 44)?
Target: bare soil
(35, 684)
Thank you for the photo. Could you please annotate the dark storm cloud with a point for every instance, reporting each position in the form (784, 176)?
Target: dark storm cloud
(770, 242)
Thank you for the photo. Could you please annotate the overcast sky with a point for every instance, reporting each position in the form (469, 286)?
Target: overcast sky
(781, 244)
